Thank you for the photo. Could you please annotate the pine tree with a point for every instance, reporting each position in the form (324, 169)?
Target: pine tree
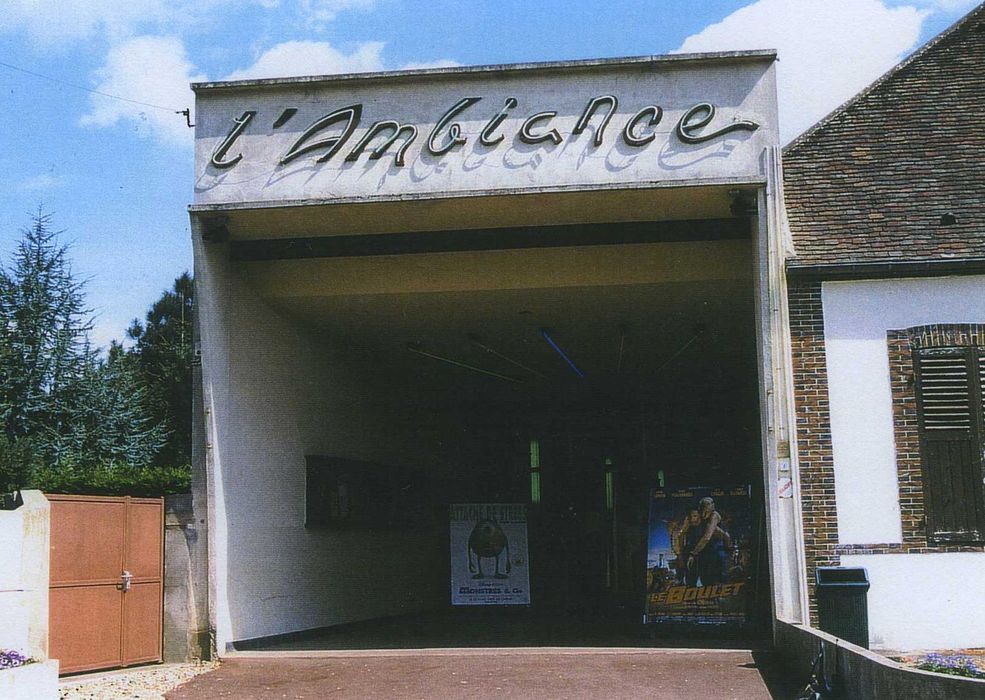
(163, 350)
(44, 325)
(111, 421)
(63, 409)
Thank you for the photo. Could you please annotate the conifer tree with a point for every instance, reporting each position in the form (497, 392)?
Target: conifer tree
(163, 352)
(63, 409)
(44, 325)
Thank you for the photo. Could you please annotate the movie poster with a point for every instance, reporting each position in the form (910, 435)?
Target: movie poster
(699, 556)
(489, 563)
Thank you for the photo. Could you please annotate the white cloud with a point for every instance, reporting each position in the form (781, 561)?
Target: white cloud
(149, 69)
(49, 23)
(312, 58)
(439, 63)
(155, 70)
(39, 183)
(58, 22)
(828, 51)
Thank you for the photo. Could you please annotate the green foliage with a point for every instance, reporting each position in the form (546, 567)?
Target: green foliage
(163, 355)
(112, 480)
(112, 422)
(18, 462)
(44, 348)
(71, 421)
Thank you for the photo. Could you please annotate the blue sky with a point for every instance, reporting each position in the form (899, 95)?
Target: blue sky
(117, 175)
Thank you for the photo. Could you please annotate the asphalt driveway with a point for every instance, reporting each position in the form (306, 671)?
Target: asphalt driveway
(612, 674)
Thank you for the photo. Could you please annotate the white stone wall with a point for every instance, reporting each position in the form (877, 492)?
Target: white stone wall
(917, 600)
(924, 601)
(24, 553)
(274, 394)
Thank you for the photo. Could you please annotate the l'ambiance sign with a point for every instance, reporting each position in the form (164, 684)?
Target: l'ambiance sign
(486, 132)
(331, 133)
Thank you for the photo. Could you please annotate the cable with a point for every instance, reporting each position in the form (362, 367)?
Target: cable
(82, 87)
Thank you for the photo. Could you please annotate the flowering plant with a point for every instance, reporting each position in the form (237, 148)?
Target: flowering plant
(953, 664)
(13, 659)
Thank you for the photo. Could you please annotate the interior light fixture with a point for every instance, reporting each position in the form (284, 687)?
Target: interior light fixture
(622, 346)
(698, 331)
(550, 341)
(476, 341)
(417, 350)
(610, 489)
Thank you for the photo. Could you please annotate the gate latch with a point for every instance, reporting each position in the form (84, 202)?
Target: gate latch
(126, 577)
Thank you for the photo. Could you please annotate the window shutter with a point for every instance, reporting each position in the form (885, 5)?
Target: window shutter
(949, 398)
(981, 396)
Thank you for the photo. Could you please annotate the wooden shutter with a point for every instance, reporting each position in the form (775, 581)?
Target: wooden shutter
(949, 397)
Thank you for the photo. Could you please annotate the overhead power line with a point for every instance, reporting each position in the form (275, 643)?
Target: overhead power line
(94, 92)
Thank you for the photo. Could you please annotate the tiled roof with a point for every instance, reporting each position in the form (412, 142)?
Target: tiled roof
(871, 182)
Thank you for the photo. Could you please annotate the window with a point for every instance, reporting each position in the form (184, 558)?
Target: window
(949, 391)
(352, 493)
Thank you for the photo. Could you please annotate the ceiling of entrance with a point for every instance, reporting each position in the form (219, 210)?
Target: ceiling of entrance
(474, 211)
(633, 321)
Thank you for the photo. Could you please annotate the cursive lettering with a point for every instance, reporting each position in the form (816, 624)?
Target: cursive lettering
(695, 126)
(219, 153)
(527, 135)
(586, 116)
(699, 116)
(653, 114)
(486, 137)
(455, 137)
(350, 115)
(397, 129)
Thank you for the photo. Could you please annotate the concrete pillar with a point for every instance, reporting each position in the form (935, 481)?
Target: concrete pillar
(186, 622)
(188, 632)
(25, 535)
(781, 485)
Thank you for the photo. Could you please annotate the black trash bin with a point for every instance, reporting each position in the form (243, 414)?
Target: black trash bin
(842, 603)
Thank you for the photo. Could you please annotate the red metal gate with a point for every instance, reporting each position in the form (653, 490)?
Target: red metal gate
(106, 597)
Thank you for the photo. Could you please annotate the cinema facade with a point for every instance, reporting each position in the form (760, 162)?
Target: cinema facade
(540, 297)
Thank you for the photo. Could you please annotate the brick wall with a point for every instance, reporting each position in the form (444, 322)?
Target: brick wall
(817, 480)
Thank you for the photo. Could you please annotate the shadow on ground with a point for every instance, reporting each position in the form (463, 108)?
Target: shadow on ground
(469, 628)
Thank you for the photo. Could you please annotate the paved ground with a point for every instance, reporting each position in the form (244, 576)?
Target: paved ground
(610, 674)
(135, 683)
(498, 628)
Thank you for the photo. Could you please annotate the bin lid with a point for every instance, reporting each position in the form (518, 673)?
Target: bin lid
(842, 576)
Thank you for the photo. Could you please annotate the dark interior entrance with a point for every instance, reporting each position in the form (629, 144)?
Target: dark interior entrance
(573, 379)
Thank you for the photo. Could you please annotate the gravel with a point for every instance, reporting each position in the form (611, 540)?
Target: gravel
(146, 683)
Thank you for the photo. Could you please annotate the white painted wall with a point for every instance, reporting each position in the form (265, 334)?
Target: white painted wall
(856, 318)
(273, 396)
(917, 601)
(924, 601)
(24, 565)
